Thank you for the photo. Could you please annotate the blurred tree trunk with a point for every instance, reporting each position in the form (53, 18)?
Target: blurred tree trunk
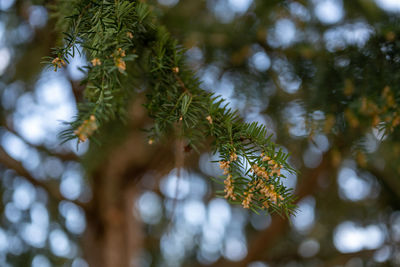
(113, 236)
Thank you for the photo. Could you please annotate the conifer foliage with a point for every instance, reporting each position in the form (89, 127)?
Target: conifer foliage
(128, 52)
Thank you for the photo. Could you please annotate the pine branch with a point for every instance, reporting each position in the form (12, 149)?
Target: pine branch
(128, 49)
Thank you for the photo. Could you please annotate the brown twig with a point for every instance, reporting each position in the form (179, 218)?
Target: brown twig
(182, 84)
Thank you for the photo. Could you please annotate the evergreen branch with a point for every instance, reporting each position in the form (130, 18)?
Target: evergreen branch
(125, 49)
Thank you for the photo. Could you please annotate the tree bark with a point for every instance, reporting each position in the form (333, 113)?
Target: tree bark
(113, 236)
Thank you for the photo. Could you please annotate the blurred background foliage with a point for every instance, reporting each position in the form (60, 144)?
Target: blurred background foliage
(322, 75)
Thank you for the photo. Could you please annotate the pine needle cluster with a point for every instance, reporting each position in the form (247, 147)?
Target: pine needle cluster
(128, 53)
